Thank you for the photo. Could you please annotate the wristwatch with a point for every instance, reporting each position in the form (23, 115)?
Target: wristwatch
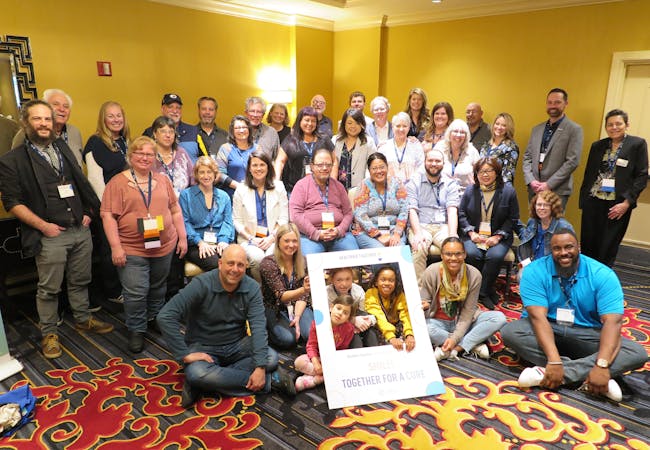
(602, 363)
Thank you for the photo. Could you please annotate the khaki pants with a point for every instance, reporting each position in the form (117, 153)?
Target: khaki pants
(434, 234)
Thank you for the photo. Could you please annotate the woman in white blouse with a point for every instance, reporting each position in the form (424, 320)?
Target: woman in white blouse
(260, 206)
(460, 154)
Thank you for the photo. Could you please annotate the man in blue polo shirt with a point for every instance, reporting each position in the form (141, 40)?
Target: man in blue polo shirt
(571, 327)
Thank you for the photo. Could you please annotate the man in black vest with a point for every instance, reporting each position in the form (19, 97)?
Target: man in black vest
(42, 184)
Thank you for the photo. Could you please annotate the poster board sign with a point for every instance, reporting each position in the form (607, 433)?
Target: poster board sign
(373, 374)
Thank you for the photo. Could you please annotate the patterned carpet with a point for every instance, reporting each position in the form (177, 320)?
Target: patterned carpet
(97, 397)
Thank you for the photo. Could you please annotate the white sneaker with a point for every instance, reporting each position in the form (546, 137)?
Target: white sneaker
(119, 299)
(614, 391)
(481, 351)
(531, 376)
(453, 356)
(439, 354)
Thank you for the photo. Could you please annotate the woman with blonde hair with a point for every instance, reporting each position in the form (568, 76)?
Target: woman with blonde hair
(502, 146)
(460, 154)
(416, 108)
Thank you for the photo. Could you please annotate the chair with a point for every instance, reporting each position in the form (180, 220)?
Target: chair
(191, 270)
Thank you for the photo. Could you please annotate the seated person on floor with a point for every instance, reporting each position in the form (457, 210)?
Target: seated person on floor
(342, 311)
(217, 353)
(320, 207)
(545, 217)
(433, 200)
(207, 214)
(342, 283)
(571, 328)
(286, 290)
(386, 301)
(449, 296)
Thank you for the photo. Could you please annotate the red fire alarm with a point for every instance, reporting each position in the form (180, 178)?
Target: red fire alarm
(104, 69)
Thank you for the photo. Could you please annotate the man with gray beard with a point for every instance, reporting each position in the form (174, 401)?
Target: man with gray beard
(43, 186)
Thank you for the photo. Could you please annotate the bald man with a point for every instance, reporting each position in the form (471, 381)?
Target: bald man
(480, 130)
(217, 353)
(324, 123)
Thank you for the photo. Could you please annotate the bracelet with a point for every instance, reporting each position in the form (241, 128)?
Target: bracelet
(554, 363)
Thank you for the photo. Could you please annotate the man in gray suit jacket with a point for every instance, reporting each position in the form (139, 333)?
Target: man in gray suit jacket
(553, 151)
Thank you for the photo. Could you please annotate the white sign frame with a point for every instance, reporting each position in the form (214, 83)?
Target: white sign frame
(373, 374)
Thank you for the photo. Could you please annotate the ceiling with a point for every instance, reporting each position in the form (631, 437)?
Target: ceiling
(338, 15)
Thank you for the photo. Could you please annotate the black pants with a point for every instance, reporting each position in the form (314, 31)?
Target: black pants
(600, 237)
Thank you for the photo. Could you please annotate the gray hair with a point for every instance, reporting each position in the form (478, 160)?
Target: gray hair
(48, 93)
(253, 100)
(378, 99)
(401, 117)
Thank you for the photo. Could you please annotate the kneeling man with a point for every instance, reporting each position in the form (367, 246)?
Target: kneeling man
(571, 328)
(218, 354)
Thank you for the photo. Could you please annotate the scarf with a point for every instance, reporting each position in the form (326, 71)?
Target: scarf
(450, 295)
(490, 187)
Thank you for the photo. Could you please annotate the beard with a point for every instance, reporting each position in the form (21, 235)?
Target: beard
(35, 138)
(433, 173)
(566, 272)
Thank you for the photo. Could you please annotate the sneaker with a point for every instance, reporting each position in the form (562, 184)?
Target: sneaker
(59, 320)
(439, 354)
(119, 299)
(614, 391)
(95, 326)
(453, 356)
(51, 347)
(281, 381)
(481, 351)
(304, 382)
(190, 395)
(93, 307)
(531, 376)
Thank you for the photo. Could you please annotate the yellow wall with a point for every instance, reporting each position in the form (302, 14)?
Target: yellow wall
(314, 66)
(154, 49)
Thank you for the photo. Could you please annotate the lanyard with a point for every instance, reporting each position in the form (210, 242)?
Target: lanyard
(120, 148)
(263, 202)
(212, 211)
(325, 197)
(399, 160)
(436, 190)
(169, 170)
(146, 200)
(64, 134)
(612, 161)
(290, 282)
(454, 163)
(566, 284)
(201, 144)
(309, 147)
(384, 197)
(489, 205)
(47, 158)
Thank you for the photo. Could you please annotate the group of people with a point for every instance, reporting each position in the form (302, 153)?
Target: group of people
(188, 193)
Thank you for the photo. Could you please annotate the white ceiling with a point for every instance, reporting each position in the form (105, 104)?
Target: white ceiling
(338, 15)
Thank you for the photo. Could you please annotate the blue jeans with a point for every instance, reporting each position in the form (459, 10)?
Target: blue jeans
(578, 347)
(486, 324)
(365, 241)
(488, 262)
(346, 242)
(232, 367)
(281, 335)
(144, 284)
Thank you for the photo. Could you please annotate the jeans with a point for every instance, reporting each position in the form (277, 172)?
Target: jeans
(144, 283)
(485, 325)
(232, 367)
(280, 334)
(578, 347)
(365, 241)
(346, 242)
(488, 262)
(69, 254)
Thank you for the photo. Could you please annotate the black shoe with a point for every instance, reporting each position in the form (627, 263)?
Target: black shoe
(136, 341)
(496, 298)
(153, 326)
(487, 302)
(190, 395)
(281, 381)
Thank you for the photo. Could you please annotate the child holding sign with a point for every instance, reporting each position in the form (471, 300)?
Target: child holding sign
(342, 309)
(387, 302)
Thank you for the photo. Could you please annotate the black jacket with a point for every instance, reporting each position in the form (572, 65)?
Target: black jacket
(505, 211)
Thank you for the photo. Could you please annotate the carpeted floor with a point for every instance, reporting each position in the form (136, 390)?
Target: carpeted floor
(96, 396)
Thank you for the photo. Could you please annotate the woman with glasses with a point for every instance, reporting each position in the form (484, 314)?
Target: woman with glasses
(449, 294)
(380, 129)
(487, 215)
(351, 147)
(171, 159)
(320, 207)
(297, 149)
(380, 208)
(460, 154)
(232, 158)
(144, 227)
(545, 217)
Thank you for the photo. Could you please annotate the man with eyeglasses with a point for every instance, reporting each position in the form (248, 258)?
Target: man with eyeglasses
(572, 324)
(324, 123)
(449, 295)
(433, 200)
(264, 136)
(43, 186)
(553, 151)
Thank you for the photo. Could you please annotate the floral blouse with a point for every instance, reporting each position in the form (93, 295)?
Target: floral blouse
(275, 284)
(369, 205)
(507, 153)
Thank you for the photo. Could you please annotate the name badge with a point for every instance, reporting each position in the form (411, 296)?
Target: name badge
(307, 169)
(439, 216)
(525, 262)
(485, 229)
(621, 162)
(150, 224)
(261, 232)
(383, 223)
(151, 228)
(607, 185)
(65, 191)
(542, 156)
(565, 316)
(327, 219)
(209, 237)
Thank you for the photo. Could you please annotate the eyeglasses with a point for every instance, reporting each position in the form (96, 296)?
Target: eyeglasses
(143, 155)
(381, 168)
(255, 112)
(486, 171)
(322, 166)
(453, 254)
(379, 110)
(165, 131)
(543, 205)
(317, 103)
